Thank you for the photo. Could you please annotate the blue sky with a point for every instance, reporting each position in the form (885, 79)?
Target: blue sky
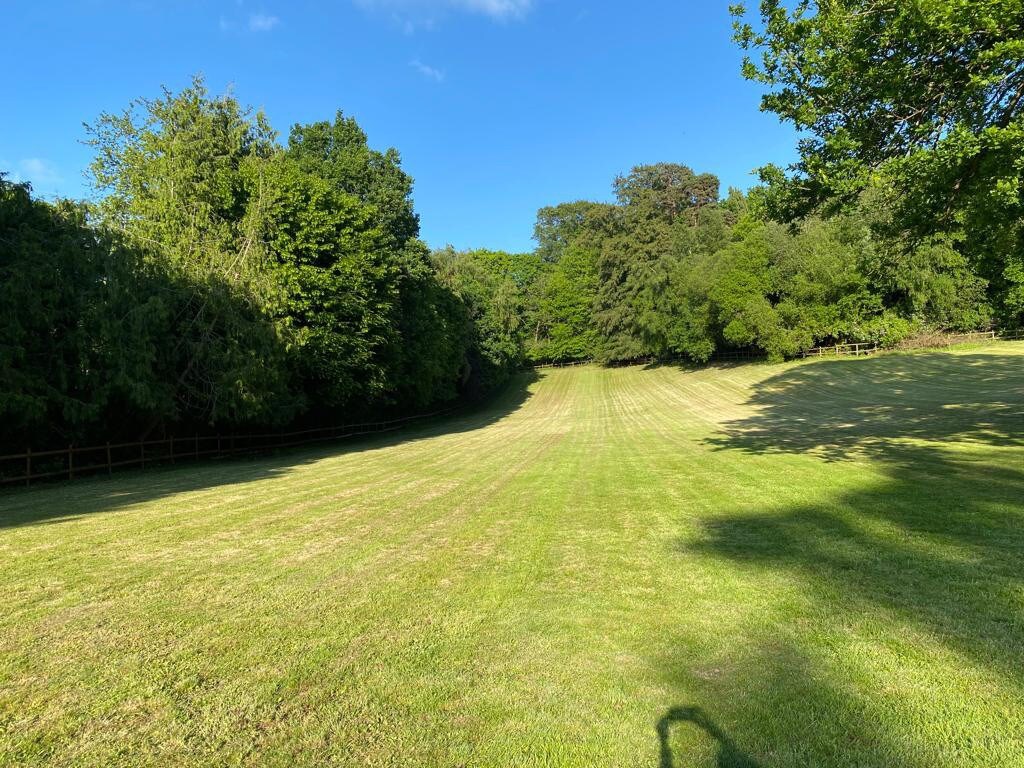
(498, 107)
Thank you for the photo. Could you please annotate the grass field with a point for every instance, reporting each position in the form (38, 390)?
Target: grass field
(815, 564)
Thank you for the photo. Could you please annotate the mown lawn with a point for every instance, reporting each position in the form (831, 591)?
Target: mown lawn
(814, 564)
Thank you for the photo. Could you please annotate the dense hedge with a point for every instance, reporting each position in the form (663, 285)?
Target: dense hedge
(224, 281)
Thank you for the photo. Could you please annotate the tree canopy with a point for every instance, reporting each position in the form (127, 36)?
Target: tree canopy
(224, 280)
(922, 102)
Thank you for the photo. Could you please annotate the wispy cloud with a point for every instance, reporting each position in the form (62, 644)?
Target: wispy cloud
(239, 23)
(410, 26)
(500, 10)
(429, 72)
(262, 22)
(42, 173)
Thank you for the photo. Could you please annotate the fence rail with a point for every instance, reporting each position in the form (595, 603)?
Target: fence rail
(68, 462)
(652, 360)
(569, 364)
(854, 350)
(946, 339)
(920, 342)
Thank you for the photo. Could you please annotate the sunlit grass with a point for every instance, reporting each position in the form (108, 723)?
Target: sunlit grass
(814, 564)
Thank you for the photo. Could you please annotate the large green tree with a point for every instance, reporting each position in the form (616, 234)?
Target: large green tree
(493, 286)
(396, 333)
(181, 177)
(921, 100)
(337, 282)
(338, 151)
(653, 236)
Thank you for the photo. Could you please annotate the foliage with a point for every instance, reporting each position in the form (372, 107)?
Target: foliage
(62, 295)
(325, 250)
(338, 152)
(490, 284)
(98, 338)
(177, 174)
(672, 270)
(223, 280)
(569, 240)
(923, 102)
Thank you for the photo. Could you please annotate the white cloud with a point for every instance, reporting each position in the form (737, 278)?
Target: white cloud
(256, 22)
(500, 10)
(427, 71)
(42, 173)
(261, 22)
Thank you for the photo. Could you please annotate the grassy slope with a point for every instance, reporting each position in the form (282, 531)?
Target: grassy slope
(809, 564)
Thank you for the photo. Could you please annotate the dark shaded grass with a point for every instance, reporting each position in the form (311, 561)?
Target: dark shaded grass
(936, 550)
(86, 496)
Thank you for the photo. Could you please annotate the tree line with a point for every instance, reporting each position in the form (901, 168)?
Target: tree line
(904, 210)
(670, 270)
(225, 278)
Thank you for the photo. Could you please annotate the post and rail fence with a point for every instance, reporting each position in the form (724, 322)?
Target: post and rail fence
(927, 341)
(717, 357)
(839, 350)
(567, 364)
(854, 349)
(75, 460)
(932, 340)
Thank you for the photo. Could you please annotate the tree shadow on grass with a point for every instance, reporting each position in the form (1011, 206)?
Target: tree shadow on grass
(836, 408)
(59, 502)
(940, 540)
(789, 706)
(932, 548)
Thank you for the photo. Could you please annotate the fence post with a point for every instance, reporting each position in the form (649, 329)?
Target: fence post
(110, 467)
(28, 467)
(71, 462)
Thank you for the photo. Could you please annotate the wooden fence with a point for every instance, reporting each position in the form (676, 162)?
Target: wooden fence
(854, 350)
(858, 349)
(76, 460)
(716, 357)
(938, 340)
(952, 339)
(97, 459)
(725, 357)
(569, 364)
(919, 342)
